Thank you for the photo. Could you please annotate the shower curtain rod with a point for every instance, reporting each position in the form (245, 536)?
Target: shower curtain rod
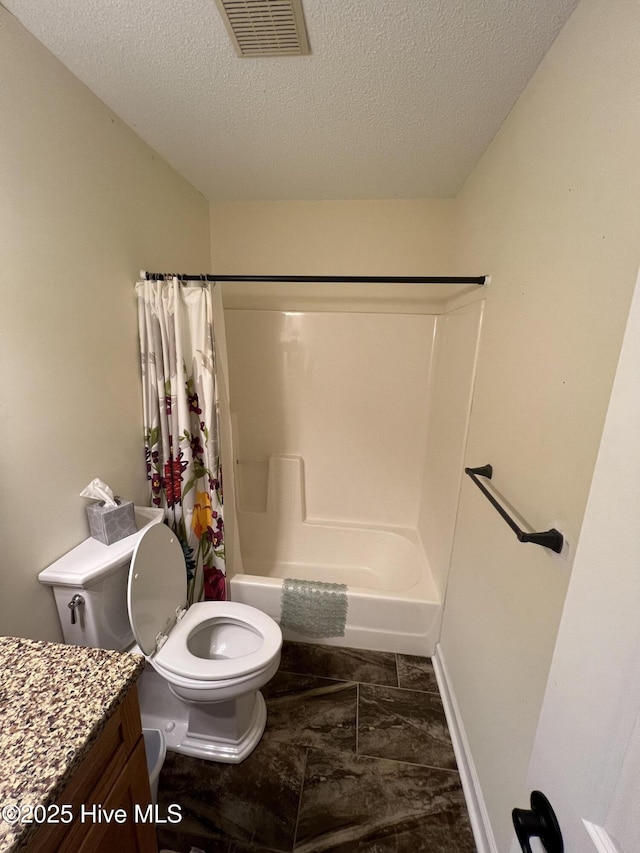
(329, 279)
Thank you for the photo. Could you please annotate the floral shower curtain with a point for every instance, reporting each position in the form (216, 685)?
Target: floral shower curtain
(181, 424)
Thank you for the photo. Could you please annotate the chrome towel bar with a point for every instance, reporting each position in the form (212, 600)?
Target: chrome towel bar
(552, 539)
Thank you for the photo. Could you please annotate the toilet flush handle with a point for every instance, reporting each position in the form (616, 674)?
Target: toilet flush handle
(75, 602)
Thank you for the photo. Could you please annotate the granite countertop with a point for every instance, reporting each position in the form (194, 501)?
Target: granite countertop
(54, 700)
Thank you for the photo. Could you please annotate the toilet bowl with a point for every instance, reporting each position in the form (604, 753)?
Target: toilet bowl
(212, 659)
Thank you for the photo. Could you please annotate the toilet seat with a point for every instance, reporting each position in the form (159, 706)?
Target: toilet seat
(262, 644)
(212, 641)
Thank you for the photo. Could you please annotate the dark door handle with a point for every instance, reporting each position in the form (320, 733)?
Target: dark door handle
(538, 822)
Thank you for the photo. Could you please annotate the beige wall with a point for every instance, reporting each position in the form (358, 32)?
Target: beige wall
(85, 204)
(397, 237)
(553, 213)
(384, 237)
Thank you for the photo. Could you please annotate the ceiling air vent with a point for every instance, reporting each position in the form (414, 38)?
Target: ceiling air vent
(265, 27)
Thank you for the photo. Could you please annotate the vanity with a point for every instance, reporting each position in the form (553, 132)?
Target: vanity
(73, 771)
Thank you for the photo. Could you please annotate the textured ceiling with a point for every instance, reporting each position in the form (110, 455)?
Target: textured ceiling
(398, 99)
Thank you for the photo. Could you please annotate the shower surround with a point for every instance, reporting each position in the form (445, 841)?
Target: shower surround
(393, 603)
(349, 433)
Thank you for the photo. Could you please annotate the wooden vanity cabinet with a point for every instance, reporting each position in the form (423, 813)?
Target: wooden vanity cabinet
(113, 775)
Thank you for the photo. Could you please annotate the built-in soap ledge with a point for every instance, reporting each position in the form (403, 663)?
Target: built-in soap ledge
(90, 558)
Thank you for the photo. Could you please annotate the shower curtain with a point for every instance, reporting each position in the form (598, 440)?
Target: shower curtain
(179, 360)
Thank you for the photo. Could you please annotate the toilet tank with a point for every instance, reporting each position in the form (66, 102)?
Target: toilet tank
(102, 619)
(98, 574)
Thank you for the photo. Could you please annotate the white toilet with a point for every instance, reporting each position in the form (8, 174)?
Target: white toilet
(206, 663)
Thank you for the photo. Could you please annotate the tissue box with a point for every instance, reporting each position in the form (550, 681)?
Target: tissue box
(108, 524)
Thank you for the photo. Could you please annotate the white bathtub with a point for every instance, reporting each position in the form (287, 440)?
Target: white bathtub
(393, 603)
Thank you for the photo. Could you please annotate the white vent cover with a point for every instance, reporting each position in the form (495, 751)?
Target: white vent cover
(265, 27)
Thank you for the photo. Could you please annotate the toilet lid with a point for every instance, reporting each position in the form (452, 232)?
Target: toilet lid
(157, 585)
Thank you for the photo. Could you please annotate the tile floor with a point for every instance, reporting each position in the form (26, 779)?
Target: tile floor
(356, 756)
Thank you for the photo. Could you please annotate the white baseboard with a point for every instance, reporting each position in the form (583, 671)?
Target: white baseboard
(478, 815)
